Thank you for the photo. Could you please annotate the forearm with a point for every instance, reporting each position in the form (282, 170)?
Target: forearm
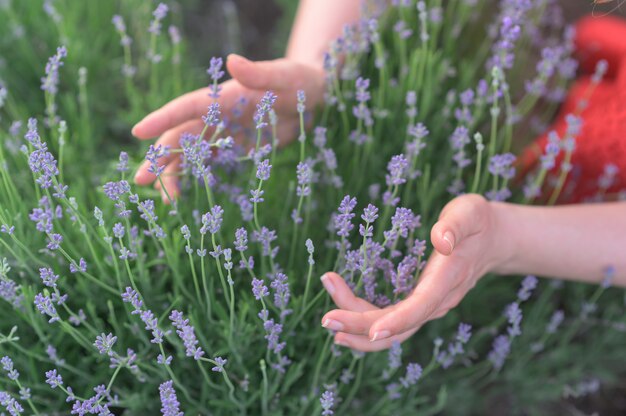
(317, 23)
(575, 242)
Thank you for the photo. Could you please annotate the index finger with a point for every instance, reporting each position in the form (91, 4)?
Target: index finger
(186, 107)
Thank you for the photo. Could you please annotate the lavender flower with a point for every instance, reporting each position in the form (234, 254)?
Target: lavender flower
(262, 108)
(55, 242)
(169, 402)
(281, 290)
(7, 365)
(54, 379)
(301, 97)
(397, 169)
(272, 334)
(215, 72)
(10, 404)
(187, 334)
(501, 165)
(327, 401)
(500, 350)
(44, 305)
(304, 172)
(263, 170)
(343, 221)
(514, 316)
(212, 117)
(413, 374)
(241, 239)
(104, 343)
(153, 154)
(528, 285)
(212, 221)
(122, 166)
(555, 321)
(48, 277)
(159, 14)
(115, 190)
(50, 82)
(219, 364)
(259, 290)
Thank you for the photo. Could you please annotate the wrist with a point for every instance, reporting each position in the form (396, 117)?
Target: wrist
(503, 237)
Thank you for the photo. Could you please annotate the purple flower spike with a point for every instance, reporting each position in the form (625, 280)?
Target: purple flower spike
(259, 290)
(169, 402)
(263, 170)
(187, 334)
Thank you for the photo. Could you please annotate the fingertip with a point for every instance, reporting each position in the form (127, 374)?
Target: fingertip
(328, 283)
(143, 177)
(443, 238)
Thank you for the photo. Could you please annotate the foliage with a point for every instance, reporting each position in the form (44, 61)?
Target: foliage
(86, 268)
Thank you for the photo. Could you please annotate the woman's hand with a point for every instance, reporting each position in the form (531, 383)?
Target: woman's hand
(250, 81)
(468, 243)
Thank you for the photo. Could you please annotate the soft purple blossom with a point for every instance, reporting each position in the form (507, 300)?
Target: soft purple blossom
(212, 117)
(499, 352)
(187, 334)
(159, 14)
(48, 277)
(528, 285)
(169, 402)
(50, 82)
(241, 239)
(327, 401)
(215, 72)
(501, 165)
(259, 290)
(343, 221)
(54, 379)
(122, 166)
(44, 305)
(219, 364)
(7, 365)
(104, 343)
(397, 167)
(413, 374)
(262, 109)
(263, 170)
(212, 221)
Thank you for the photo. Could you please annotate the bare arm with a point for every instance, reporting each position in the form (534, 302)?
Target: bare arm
(317, 23)
(574, 242)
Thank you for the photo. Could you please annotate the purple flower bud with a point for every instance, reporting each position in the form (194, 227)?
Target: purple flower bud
(263, 170)
(53, 379)
(259, 290)
(219, 364)
(104, 343)
(169, 402)
(397, 170)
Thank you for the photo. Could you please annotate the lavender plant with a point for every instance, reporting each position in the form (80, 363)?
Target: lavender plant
(116, 303)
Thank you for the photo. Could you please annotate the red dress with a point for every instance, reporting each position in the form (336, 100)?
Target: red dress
(599, 159)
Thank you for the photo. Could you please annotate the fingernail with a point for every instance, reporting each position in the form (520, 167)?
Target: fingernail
(133, 130)
(328, 284)
(380, 335)
(342, 343)
(332, 324)
(449, 237)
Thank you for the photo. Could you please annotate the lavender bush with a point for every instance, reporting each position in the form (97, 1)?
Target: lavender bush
(115, 303)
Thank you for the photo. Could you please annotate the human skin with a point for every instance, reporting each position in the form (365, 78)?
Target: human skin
(317, 23)
(474, 237)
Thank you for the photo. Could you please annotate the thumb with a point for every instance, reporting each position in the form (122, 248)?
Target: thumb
(461, 218)
(276, 74)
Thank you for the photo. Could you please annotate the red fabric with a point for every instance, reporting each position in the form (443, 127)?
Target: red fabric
(602, 139)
